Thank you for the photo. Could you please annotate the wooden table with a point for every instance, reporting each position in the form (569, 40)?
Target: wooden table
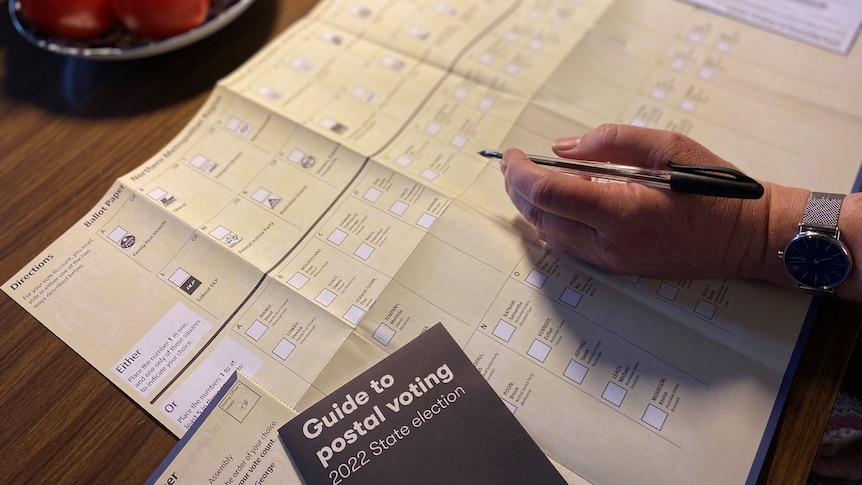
(68, 129)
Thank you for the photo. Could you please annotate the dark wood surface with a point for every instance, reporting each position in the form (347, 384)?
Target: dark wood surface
(812, 392)
(68, 129)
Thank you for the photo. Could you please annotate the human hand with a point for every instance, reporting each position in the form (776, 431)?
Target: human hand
(637, 230)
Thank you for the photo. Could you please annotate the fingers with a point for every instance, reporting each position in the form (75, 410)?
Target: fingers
(547, 198)
(548, 224)
(632, 145)
(538, 192)
(562, 233)
(577, 239)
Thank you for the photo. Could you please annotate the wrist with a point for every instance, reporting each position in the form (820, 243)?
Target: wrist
(786, 208)
(850, 226)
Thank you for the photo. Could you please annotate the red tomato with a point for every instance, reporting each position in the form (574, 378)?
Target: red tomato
(75, 19)
(160, 19)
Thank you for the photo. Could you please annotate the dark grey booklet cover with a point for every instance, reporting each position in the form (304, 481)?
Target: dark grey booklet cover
(422, 415)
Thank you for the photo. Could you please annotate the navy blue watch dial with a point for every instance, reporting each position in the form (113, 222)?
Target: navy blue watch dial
(817, 260)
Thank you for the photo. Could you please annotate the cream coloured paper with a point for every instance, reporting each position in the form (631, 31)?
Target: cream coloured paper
(235, 442)
(327, 204)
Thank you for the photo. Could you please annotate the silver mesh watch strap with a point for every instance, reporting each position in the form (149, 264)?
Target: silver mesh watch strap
(822, 209)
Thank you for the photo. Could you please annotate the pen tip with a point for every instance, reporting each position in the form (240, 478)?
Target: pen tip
(491, 154)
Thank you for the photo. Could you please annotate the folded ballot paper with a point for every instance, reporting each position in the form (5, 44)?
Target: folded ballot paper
(424, 414)
(235, 441)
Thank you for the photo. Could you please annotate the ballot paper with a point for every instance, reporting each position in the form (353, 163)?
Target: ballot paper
(234, 441)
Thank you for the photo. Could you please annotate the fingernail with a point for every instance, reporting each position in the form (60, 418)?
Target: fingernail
(564, 144)
(504, 162)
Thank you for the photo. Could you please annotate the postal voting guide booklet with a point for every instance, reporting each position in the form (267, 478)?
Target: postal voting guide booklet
(422, 415)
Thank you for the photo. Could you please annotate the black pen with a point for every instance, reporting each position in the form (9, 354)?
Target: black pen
(691, 179)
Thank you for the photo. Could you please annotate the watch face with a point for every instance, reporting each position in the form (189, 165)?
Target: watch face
(817, 260)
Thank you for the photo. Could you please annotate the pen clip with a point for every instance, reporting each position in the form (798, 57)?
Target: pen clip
(714, 181)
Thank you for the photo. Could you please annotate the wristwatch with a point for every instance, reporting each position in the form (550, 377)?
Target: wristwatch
(815, 257)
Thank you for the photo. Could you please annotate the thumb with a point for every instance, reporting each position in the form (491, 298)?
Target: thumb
(633, 145)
